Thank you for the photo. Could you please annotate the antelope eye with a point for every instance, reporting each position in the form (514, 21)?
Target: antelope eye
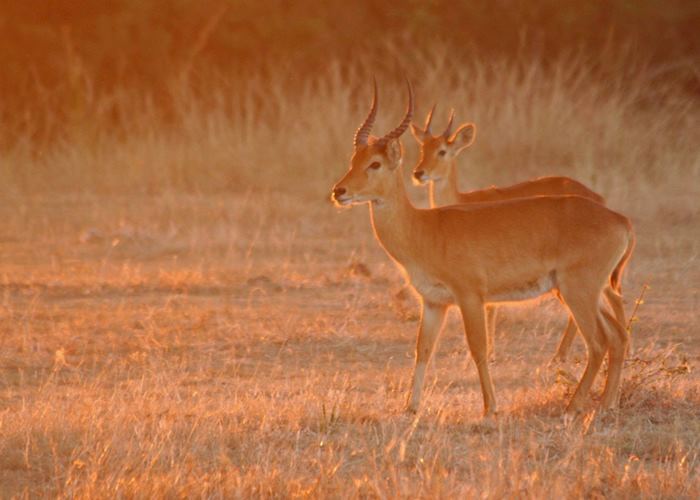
(442, 152)
(374, 165)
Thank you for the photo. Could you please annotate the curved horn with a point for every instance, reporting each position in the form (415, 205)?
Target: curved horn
(448, 130)
(396, 133)
(362, 133)
(429, 120)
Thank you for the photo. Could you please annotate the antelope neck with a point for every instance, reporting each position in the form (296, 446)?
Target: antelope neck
(394, 219)
(445, 191)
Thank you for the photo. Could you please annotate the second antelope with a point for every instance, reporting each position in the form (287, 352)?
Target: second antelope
(473, 255)
(437, 167)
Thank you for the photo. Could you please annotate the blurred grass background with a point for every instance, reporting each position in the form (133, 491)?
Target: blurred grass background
(126, 95)
(132, 42)
(183, 314)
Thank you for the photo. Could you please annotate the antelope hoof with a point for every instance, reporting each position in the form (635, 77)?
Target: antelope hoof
(610, 406)
(411, 408)
(557, 360)
(491, 414)
(575, 407)
(607, 417)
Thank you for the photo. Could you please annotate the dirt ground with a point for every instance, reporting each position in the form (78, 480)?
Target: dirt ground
(261, 344)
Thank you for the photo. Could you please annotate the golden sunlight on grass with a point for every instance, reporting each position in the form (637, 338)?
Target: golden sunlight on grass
(183, 313)
(150, 349)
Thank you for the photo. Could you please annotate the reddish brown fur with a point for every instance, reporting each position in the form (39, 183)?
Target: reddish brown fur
(440, 172)
(437, 167)
(473, 255)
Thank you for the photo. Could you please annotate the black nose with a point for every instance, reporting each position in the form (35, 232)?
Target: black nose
(418, 174)
(339, 191)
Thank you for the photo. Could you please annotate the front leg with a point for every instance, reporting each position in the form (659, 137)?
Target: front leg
(491, 329)
(475, 329)
(431, 320)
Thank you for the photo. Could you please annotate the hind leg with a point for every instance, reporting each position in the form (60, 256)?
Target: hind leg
(566, 340)
(583, 306)
(615, 300)
(618, 345)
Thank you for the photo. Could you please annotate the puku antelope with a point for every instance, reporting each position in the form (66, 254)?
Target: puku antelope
(477, 254)
(437, 167)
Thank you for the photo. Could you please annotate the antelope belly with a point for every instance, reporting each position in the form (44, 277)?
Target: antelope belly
(528, 290)
(433, 291)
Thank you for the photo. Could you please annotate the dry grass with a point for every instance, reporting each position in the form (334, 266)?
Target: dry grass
(162, 336)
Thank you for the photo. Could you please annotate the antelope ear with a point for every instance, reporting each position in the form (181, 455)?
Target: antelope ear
(463, 137)
(418, 133)
(393, 153)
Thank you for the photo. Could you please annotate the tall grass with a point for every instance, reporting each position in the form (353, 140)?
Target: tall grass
(615, 130)
(181, 316)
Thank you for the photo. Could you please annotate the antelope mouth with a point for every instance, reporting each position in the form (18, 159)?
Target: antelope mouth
(343, 200)
(421, 178)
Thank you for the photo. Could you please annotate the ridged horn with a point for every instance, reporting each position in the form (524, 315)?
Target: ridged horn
(398, 131)
(429, 120)
(448, 130)
(362, 133)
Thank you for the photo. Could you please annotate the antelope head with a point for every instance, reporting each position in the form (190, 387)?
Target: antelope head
(437, 152)
(374, 161)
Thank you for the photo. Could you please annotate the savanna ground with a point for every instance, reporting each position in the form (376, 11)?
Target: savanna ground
(184, 313)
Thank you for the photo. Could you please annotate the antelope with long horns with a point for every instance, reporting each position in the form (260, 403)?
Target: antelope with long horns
(477, 254)
(437, 167)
